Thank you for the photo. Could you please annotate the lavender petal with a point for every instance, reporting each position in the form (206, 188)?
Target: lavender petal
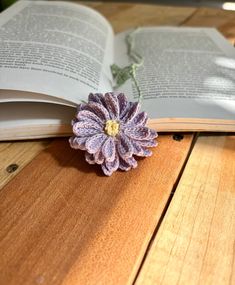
(94, 143)
(88, 125)
(123, 104)
(124, 146)
(96, 98)
(133, 163)
(110, 166)
(147, 152)
(153, 134)
(74, 120)
(112, 105)
(90, 158)
(81, 107)
(106, 171)
(140, 119)
(88, 115)
(78, 142)
(139, 150)
(99, 157)
(84, 132)
(125, 110)
(138, 133)
(147, 143)
(127, 164)
(100, 111)
(132, 112)
(123, 165)
(109, 150)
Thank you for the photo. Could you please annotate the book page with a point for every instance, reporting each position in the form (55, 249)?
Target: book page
(55, 48)
(7, 96)
(26, 120)
(187, 72)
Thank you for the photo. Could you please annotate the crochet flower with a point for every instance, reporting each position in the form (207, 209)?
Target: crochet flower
(111, 130)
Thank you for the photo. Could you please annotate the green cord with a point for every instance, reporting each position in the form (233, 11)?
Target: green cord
(121, 75)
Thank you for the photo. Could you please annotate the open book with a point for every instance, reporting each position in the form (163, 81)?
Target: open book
(53, 54)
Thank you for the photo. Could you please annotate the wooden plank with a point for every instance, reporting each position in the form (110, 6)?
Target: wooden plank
(210, 17)
(224, 21)
(195, 242)
(228, 30)
(63, 222)
(54, 229)
(19, 153)
(123, 16)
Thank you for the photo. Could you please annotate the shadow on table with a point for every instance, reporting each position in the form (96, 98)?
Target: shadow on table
(86, 218)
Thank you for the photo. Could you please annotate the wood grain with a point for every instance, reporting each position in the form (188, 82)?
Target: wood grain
(20, 153)
(210, 17)
(195, 242)
(222, 20)
(125, 16)
(63, 222)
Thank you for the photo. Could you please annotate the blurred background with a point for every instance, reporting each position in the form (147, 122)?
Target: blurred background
(196, 3)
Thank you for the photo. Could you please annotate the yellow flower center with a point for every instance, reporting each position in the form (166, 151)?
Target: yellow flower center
(111, 128)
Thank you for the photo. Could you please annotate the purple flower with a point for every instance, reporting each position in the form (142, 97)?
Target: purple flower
(111, 130)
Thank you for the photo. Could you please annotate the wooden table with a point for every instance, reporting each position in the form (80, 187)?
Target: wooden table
(170, 221)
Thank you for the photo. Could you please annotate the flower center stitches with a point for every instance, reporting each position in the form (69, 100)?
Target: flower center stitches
(111, 128)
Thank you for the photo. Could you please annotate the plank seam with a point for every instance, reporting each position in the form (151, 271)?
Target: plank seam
(188, 18)
(165, 207)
